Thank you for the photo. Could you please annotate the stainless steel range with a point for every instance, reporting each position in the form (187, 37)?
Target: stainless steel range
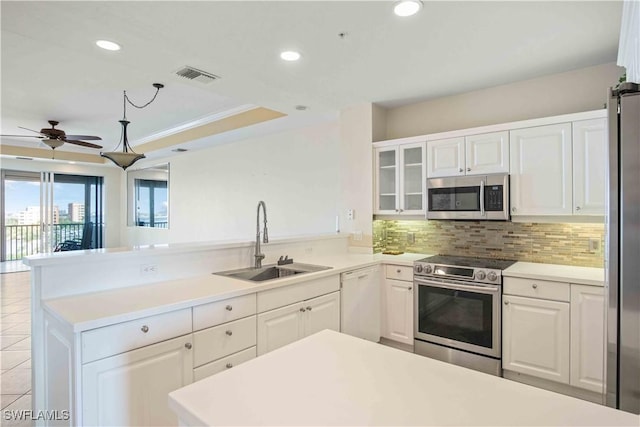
(458, 310)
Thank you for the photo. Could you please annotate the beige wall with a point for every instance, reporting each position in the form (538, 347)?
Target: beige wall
(356, 163)
(572, 92)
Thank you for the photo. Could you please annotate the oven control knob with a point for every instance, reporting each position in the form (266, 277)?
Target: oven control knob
(480, 275)
(428, 269)
(418, 268)
(492, 276)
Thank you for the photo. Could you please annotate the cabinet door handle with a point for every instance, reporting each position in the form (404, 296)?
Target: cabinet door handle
(577, 208)
(534, 286)
(401, 210)
(468, 169)
(513, 209)
(188, 346)
(398, 271)
(229, 333)
(506, 303)
(229, 365)
(229, 308)
(302, 309)
(461, 170)
(410, 288)
(309, 308)
(144, 329)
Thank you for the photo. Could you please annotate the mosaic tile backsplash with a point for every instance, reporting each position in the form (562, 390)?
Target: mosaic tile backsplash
(534, 242)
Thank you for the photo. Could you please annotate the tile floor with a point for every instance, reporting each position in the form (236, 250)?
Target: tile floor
(15, 345)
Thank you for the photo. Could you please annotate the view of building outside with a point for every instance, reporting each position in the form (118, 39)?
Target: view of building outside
(22, 216)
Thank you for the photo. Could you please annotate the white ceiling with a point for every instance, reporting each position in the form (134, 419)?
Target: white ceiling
(51, 68)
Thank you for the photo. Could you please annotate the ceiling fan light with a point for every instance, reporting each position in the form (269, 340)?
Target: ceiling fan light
(53, 143)
(407, 7)
(123, 159)
(108, 45)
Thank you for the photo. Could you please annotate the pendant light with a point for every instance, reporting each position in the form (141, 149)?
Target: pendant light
(127, 156)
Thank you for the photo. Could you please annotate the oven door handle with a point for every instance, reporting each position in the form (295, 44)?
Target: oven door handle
(458, 287)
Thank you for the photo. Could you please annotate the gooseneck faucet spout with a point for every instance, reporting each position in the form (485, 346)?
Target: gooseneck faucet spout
(259, 256)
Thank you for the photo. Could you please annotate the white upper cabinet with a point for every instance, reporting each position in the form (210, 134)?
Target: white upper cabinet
(445, 157)
(541, 170)
(471, 155)
(400, 179)
(487, 153)
(589, 166)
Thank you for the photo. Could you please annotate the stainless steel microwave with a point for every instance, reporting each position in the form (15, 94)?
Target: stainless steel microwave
(469, 197)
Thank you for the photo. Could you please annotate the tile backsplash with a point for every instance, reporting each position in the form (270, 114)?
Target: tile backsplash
(534, 242)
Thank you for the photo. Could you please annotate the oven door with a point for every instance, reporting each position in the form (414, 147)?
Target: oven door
(458, 314)
(455, 198)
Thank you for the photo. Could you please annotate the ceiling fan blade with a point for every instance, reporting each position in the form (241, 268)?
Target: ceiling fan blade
(31, 130)
(85, 137)
(82, 143)
(22, 136)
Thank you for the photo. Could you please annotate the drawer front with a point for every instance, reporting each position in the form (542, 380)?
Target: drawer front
(279, 297)
(399, 272)
(216, 313)
(224, 364)
(220, 341)
(544, 289)
(114, 339)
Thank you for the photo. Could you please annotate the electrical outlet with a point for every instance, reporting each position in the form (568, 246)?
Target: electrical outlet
(148, 269)
(411, 237)
(351, 214)
(594, 244)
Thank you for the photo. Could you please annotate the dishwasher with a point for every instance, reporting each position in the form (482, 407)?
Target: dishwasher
(360, 303)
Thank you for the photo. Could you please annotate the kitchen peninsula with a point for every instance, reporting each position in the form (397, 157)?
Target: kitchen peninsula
(334, 379)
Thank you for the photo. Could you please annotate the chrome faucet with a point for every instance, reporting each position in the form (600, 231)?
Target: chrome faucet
(259, 256)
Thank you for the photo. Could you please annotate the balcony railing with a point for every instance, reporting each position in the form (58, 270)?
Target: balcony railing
(24, 240)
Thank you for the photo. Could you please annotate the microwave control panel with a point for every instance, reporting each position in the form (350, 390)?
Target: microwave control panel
(493, 198)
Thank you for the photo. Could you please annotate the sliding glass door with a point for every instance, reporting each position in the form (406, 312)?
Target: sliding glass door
(45, 212)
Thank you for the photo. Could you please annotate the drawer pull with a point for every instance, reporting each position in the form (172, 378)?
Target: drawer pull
(534, 286)
(398, 271)
(145, 329)
(309, 308)
(302, 309)
(229, 333)
(506, 303)
(188, 346)
(229, 308)
(229, 365)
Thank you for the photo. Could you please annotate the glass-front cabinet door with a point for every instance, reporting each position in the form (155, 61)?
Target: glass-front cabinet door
(400, 179)
(387, 181)
(412, 175)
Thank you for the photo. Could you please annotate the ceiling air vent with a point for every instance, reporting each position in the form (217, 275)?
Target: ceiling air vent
(196, 75)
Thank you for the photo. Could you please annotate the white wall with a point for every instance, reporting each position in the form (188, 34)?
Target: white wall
(214, 192)
(572, 92)
(113, 178)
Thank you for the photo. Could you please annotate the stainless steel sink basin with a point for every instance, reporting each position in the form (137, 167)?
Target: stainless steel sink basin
(271, 272)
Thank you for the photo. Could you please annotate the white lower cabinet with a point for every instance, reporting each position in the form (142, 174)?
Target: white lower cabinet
(285, 325)
(397, 304)
(131, 388)
(554, 331)
(535, 337)
(587, 337)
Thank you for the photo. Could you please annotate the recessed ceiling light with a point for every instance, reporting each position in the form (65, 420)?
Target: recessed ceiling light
(407, 7)
(106, 44)
(290, 55)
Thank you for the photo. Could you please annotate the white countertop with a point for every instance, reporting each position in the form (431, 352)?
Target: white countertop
(560, 273)
(334, 379)
(97, 309)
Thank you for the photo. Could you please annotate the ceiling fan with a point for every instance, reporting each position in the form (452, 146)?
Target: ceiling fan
(54, 138)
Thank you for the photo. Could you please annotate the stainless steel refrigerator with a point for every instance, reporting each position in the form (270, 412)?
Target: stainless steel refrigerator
(623, 243)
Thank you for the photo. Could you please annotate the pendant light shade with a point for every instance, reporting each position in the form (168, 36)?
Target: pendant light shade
(127, 156)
